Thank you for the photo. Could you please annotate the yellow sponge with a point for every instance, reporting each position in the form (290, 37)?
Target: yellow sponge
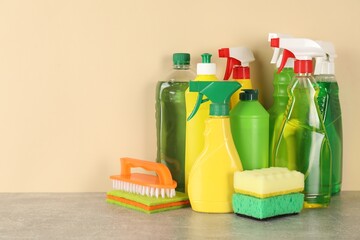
(268, 182)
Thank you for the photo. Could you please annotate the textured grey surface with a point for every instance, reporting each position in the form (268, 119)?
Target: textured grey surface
(88, 216)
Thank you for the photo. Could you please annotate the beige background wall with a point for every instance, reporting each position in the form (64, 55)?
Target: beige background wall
(77, 78)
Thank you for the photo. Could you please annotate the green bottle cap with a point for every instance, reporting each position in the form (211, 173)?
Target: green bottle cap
(249, 94)
(206, 58)
(181, 59)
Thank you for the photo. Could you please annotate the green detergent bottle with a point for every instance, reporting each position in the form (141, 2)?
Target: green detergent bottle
(250, 130)
(277, 110)
(280, 95)
(303, 143)
(171, 118)
(330, 109)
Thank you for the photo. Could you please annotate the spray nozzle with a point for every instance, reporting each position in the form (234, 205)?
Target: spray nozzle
(219, 93)
(301, 49)
(325, 64)
(235, 57)
(278, 52)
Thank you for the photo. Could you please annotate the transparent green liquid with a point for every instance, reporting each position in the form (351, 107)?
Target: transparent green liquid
(329, 105)
(170, 128)
(303, 144)
(277, 110)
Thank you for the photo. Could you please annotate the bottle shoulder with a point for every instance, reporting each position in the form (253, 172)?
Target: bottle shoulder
(248, 108)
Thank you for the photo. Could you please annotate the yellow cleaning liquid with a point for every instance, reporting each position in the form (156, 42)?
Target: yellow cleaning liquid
(245, 84)
(212, 176)
(195, 128)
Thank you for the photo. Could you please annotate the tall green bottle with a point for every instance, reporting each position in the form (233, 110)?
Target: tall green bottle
(330, 109)
(277, 110)
(171, 117)
(250, 130)
(303, 143)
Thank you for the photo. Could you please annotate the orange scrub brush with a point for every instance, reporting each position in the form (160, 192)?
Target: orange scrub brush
(144, 184)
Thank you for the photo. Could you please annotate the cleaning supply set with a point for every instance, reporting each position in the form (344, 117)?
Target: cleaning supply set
(210, 130)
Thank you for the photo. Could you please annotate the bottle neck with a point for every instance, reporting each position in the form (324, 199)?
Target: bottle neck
(217, 131)
(181, 66)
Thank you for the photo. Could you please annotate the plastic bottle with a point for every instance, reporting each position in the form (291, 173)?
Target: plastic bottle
(250, 130)
(171, 118)
(210, 186)
(330, 109)
(238, 60)
(303, 143)
(280, 95)
(195, 128)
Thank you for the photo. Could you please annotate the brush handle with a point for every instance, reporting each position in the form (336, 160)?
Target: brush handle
(161, 170)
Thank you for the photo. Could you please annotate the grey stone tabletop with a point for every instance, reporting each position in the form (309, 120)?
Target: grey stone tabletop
(88, 216)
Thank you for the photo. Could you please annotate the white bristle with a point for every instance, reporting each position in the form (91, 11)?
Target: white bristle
(143, 190)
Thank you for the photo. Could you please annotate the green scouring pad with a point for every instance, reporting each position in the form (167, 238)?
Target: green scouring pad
(261, 208)
(147, 204)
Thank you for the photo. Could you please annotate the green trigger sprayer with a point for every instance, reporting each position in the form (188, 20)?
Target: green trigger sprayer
(211, 177)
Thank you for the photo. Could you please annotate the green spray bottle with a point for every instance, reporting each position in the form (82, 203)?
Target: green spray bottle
(211, 186)
(250, 130)
(281, 82)
(303, 143)
(330, 109)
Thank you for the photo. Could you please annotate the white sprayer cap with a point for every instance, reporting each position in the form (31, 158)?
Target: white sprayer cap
(277, 55)
(325, 65)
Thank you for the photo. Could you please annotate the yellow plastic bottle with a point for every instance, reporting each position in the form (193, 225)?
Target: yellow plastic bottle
(195, 128)
(210, 185)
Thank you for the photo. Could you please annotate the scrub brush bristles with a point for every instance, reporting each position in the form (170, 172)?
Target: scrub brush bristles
(144, 184)
(143, 190)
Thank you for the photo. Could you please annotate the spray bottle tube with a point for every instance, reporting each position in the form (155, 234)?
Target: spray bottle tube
(303, 143)
(210, 186)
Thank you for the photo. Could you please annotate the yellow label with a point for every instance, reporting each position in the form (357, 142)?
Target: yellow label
(195, 127)
(211, 180)
(235, 98)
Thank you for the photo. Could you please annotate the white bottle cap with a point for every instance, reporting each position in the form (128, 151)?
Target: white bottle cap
(206, 69)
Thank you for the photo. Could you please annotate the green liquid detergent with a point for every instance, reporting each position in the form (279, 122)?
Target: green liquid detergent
(277, 110)
(171, 118)
(329, 105)
(303, 144)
